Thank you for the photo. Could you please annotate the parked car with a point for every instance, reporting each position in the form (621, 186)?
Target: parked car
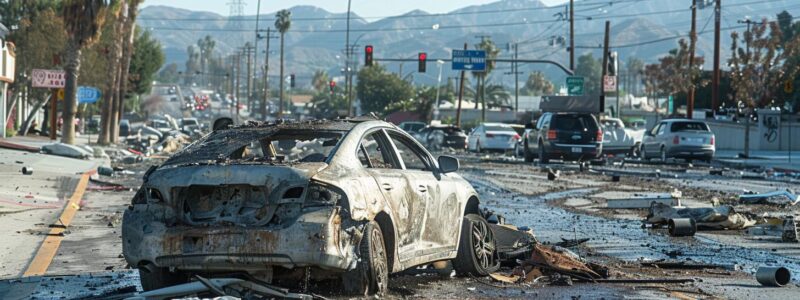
(188, 125)
(518, 147)
(124, 127)
(161, 125)
(437, 137)
(492, 137)
(563, 135)
(346, 199)
(679, 138)
(617, 139)
(412, 127)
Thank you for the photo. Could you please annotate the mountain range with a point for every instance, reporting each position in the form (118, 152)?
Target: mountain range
(645, 29)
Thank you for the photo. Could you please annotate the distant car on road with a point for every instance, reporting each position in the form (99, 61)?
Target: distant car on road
(679, 138)
(493, 137)
(124, 127)
(567, 136)
(412, 127)
(437, 137)
(617, 139)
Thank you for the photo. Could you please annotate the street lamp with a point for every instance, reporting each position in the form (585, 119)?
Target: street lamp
(438, 89)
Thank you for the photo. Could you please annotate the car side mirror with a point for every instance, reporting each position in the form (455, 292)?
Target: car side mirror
(448, 164)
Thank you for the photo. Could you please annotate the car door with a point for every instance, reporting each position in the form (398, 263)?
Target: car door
(475, 137)
(434, 208)
(649, 140)
(378, 156)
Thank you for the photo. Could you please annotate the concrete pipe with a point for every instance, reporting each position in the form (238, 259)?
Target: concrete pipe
(27, 170)
(773, 276)
(682, 227)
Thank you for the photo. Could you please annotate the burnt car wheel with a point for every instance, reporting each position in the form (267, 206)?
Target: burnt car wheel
(527, 153)
(477, 253)
(154, 278)
(371, 275)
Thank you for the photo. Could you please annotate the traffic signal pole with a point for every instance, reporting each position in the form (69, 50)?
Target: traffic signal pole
(605, 68)
(692, 42)
(715, 76)
(460, 95)
(571, 35)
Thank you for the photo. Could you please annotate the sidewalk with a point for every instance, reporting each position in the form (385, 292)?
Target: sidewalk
(765, 159)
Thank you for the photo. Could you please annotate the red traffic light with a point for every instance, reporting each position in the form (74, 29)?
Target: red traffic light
(368, 55)
(423, 61)
(332, 84)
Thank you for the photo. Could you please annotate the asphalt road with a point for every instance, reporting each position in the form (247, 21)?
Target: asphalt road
(89, 253)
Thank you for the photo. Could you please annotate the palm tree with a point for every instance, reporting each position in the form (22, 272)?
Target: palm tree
(498, 95)
(83, 20)
(320, 80)
(491, 53)
(282, 23)
(113, 55)
(129, 33)
(206, 46)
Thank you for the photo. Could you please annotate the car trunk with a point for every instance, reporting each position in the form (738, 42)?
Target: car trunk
(693, 137)
(234, 195)
(500, 136)
(574, 129)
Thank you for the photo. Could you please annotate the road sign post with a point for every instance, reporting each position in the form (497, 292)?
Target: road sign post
(575, 85)
(51, 79)
(87, 94)
(469, 60)
(609, 83)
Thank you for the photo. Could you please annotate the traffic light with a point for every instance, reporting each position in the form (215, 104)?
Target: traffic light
(291, 81)
(332, 85)
(423, 61)
(367, 56)
(611, 69)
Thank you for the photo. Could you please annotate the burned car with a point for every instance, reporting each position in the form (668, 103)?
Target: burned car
(328, 200)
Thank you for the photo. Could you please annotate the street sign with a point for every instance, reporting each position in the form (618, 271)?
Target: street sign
(52, 79)
(609, 83)
(60, 94)
(575, 85)
(469, 60)
(87, 94)
(788, 86)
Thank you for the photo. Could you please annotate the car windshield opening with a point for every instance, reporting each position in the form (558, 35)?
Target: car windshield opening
(499, 128)
(264, 145)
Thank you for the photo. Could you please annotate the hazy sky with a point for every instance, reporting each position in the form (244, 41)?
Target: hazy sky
(366, 8)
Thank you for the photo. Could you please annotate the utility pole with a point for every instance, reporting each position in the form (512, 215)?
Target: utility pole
(460, 95)
(749, 111)
(516, 78)
(605, 68)
(347, 82)
(248, 50)
(263, 106)
(692, 42)
(571, 35)
(716, 75)
(236, 81)
(255, 42)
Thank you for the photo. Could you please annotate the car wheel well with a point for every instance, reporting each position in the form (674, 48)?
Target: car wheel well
(472, 206)
(222, 123)
(385, 223)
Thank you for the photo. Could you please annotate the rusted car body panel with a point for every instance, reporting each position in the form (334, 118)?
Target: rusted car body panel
(228, 216)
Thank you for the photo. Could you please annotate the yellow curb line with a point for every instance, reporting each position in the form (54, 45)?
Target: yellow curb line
(49, 248)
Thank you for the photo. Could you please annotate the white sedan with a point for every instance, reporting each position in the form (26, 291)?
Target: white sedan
(492, 136)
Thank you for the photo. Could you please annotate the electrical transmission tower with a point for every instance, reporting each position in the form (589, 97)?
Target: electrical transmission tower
(236, 14)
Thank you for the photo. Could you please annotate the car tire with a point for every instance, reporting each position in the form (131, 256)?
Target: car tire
(478, 147)
(155, 278)
(663, 155)
(477, 250)
(527, 153)
(542, 155)
(371, 275)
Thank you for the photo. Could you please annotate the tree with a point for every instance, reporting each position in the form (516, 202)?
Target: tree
(589, 68)
(206, 46)
(491, 53)
(320, 81)
(83, 20)
(169, 74)
(113, 53)
(327, 105)
(147, 58)
(760, 68)
(129, 35)
(635, 69)
(192, 64)
(677, 77)
(282, 22)
(537, 84)
(378, 88)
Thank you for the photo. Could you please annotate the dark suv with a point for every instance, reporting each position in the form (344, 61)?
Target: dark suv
(568, 136)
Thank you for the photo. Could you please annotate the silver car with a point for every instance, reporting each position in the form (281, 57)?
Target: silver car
(492, 136)
(323, 199)
(679, 138)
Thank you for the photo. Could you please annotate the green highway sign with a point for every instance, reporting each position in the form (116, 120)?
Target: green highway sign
(575, 85)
